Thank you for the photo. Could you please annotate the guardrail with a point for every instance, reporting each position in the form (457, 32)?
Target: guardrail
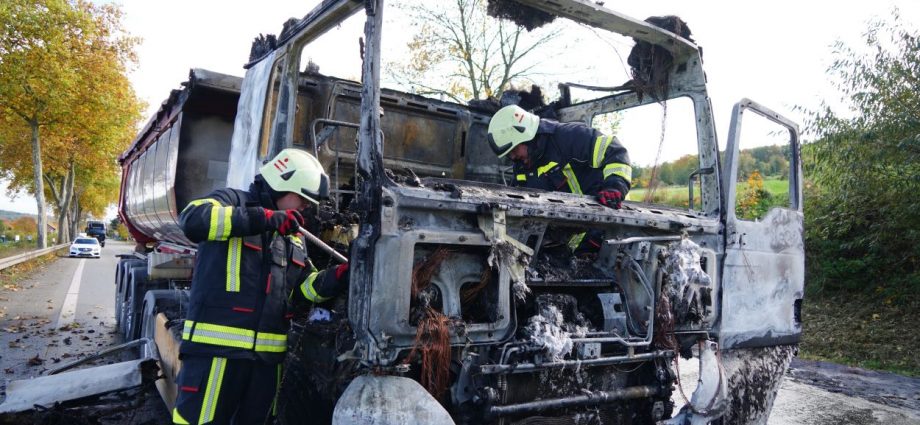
(21, 258)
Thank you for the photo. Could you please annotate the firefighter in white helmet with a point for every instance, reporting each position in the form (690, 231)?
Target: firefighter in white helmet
(251, 262)
(566, 157)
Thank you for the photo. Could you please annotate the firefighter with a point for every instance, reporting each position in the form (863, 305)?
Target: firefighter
(251, 264)
(564, 157)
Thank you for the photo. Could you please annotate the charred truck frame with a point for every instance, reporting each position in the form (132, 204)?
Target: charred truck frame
(450, 317)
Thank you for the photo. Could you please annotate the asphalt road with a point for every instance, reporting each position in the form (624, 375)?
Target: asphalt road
(61, 313)
(817, 393)
(66, 311)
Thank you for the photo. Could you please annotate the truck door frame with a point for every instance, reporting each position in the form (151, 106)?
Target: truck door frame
(763, 272)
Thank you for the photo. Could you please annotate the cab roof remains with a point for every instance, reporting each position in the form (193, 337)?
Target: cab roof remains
(330, 13)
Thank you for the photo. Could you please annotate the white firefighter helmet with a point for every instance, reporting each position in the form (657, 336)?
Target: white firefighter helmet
(511, 126)
(294, 170)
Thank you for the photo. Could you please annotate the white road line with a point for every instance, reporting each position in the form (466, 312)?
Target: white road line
(69, 309)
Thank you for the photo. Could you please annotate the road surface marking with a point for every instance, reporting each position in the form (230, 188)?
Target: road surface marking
(69, 309)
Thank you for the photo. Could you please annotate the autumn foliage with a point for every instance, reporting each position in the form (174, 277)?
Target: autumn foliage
(66, 106)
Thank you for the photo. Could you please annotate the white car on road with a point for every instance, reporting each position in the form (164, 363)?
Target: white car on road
(85, 247)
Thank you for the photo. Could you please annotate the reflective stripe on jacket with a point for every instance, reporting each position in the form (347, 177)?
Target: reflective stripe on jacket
(575, 158)
(244, 277)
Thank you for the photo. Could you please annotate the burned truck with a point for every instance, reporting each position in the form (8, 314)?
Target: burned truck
(465, 303)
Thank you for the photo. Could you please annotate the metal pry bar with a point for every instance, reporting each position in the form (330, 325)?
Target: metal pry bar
(322, 245)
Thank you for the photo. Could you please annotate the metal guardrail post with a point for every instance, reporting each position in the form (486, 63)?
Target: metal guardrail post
(21, 258)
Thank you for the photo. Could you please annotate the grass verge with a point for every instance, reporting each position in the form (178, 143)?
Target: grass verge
(11, 276)
(868, 330)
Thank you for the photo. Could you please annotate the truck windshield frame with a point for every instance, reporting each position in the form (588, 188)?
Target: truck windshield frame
(688, 81)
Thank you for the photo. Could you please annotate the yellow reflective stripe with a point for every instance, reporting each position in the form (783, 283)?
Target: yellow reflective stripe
(574, 187)
(221, 223)
(576, 240)
(224, 329)
(521, 177)
(272, 343)
(225, 336)
(546, 168)
(229, 336)
(234, 258)
(215, 379)
(187, 329)
(212, 227)
(600, 150)
(198, 202)
(296, 241)
(309, 292)
(622, 170)
(277, 391)
(226, 222)
(178, 419)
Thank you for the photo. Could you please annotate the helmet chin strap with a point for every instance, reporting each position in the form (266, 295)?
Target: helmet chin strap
(268, 197)
(536, 148)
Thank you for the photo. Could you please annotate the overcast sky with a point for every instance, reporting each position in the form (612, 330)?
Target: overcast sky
(775, 53)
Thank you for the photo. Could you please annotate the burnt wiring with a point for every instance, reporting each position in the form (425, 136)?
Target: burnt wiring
(432, 343)
(432, 337)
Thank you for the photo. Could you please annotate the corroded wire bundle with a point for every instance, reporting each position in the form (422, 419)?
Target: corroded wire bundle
(432, 342)
(432, 336)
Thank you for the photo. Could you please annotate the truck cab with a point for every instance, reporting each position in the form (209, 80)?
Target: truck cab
(96, 229)
(465, 305)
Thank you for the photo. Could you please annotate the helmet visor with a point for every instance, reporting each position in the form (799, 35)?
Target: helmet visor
(321, 193)
(501, 151)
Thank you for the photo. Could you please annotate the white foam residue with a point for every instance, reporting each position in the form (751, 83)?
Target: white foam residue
(546, 331)
(684, 265)
(505, 255)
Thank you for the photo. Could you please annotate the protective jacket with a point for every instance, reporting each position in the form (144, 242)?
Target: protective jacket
(574, 158)
(245, 277)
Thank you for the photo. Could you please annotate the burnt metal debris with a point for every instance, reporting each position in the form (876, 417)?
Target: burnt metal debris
(651, 65)
(520, 14)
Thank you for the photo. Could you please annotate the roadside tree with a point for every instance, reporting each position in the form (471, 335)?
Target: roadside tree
(457, 40)
(64, 96)
(862, 226)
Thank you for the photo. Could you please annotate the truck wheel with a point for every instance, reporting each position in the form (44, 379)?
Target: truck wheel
(156, 301)
(137, 285)
(121, 288)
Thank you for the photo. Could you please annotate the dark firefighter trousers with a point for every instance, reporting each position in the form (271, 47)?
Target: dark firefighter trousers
(223, 391)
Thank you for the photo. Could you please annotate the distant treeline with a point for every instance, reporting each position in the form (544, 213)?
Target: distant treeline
(770, 161)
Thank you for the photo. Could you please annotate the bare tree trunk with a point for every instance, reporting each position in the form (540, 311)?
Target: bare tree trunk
(63, 194)
(67, 195)
(41, 239)
(61, 212)
(75, 214)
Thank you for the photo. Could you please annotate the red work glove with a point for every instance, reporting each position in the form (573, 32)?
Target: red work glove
(611, 198)
(341, 272)
(285, 222)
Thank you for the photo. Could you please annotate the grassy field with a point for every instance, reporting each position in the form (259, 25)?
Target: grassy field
(678, 195)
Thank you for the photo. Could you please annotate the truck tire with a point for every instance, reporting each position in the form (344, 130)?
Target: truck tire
(156, 301)
(137, 286)
(121, 288)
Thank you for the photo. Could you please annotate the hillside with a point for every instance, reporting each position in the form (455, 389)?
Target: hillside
(12, 215)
